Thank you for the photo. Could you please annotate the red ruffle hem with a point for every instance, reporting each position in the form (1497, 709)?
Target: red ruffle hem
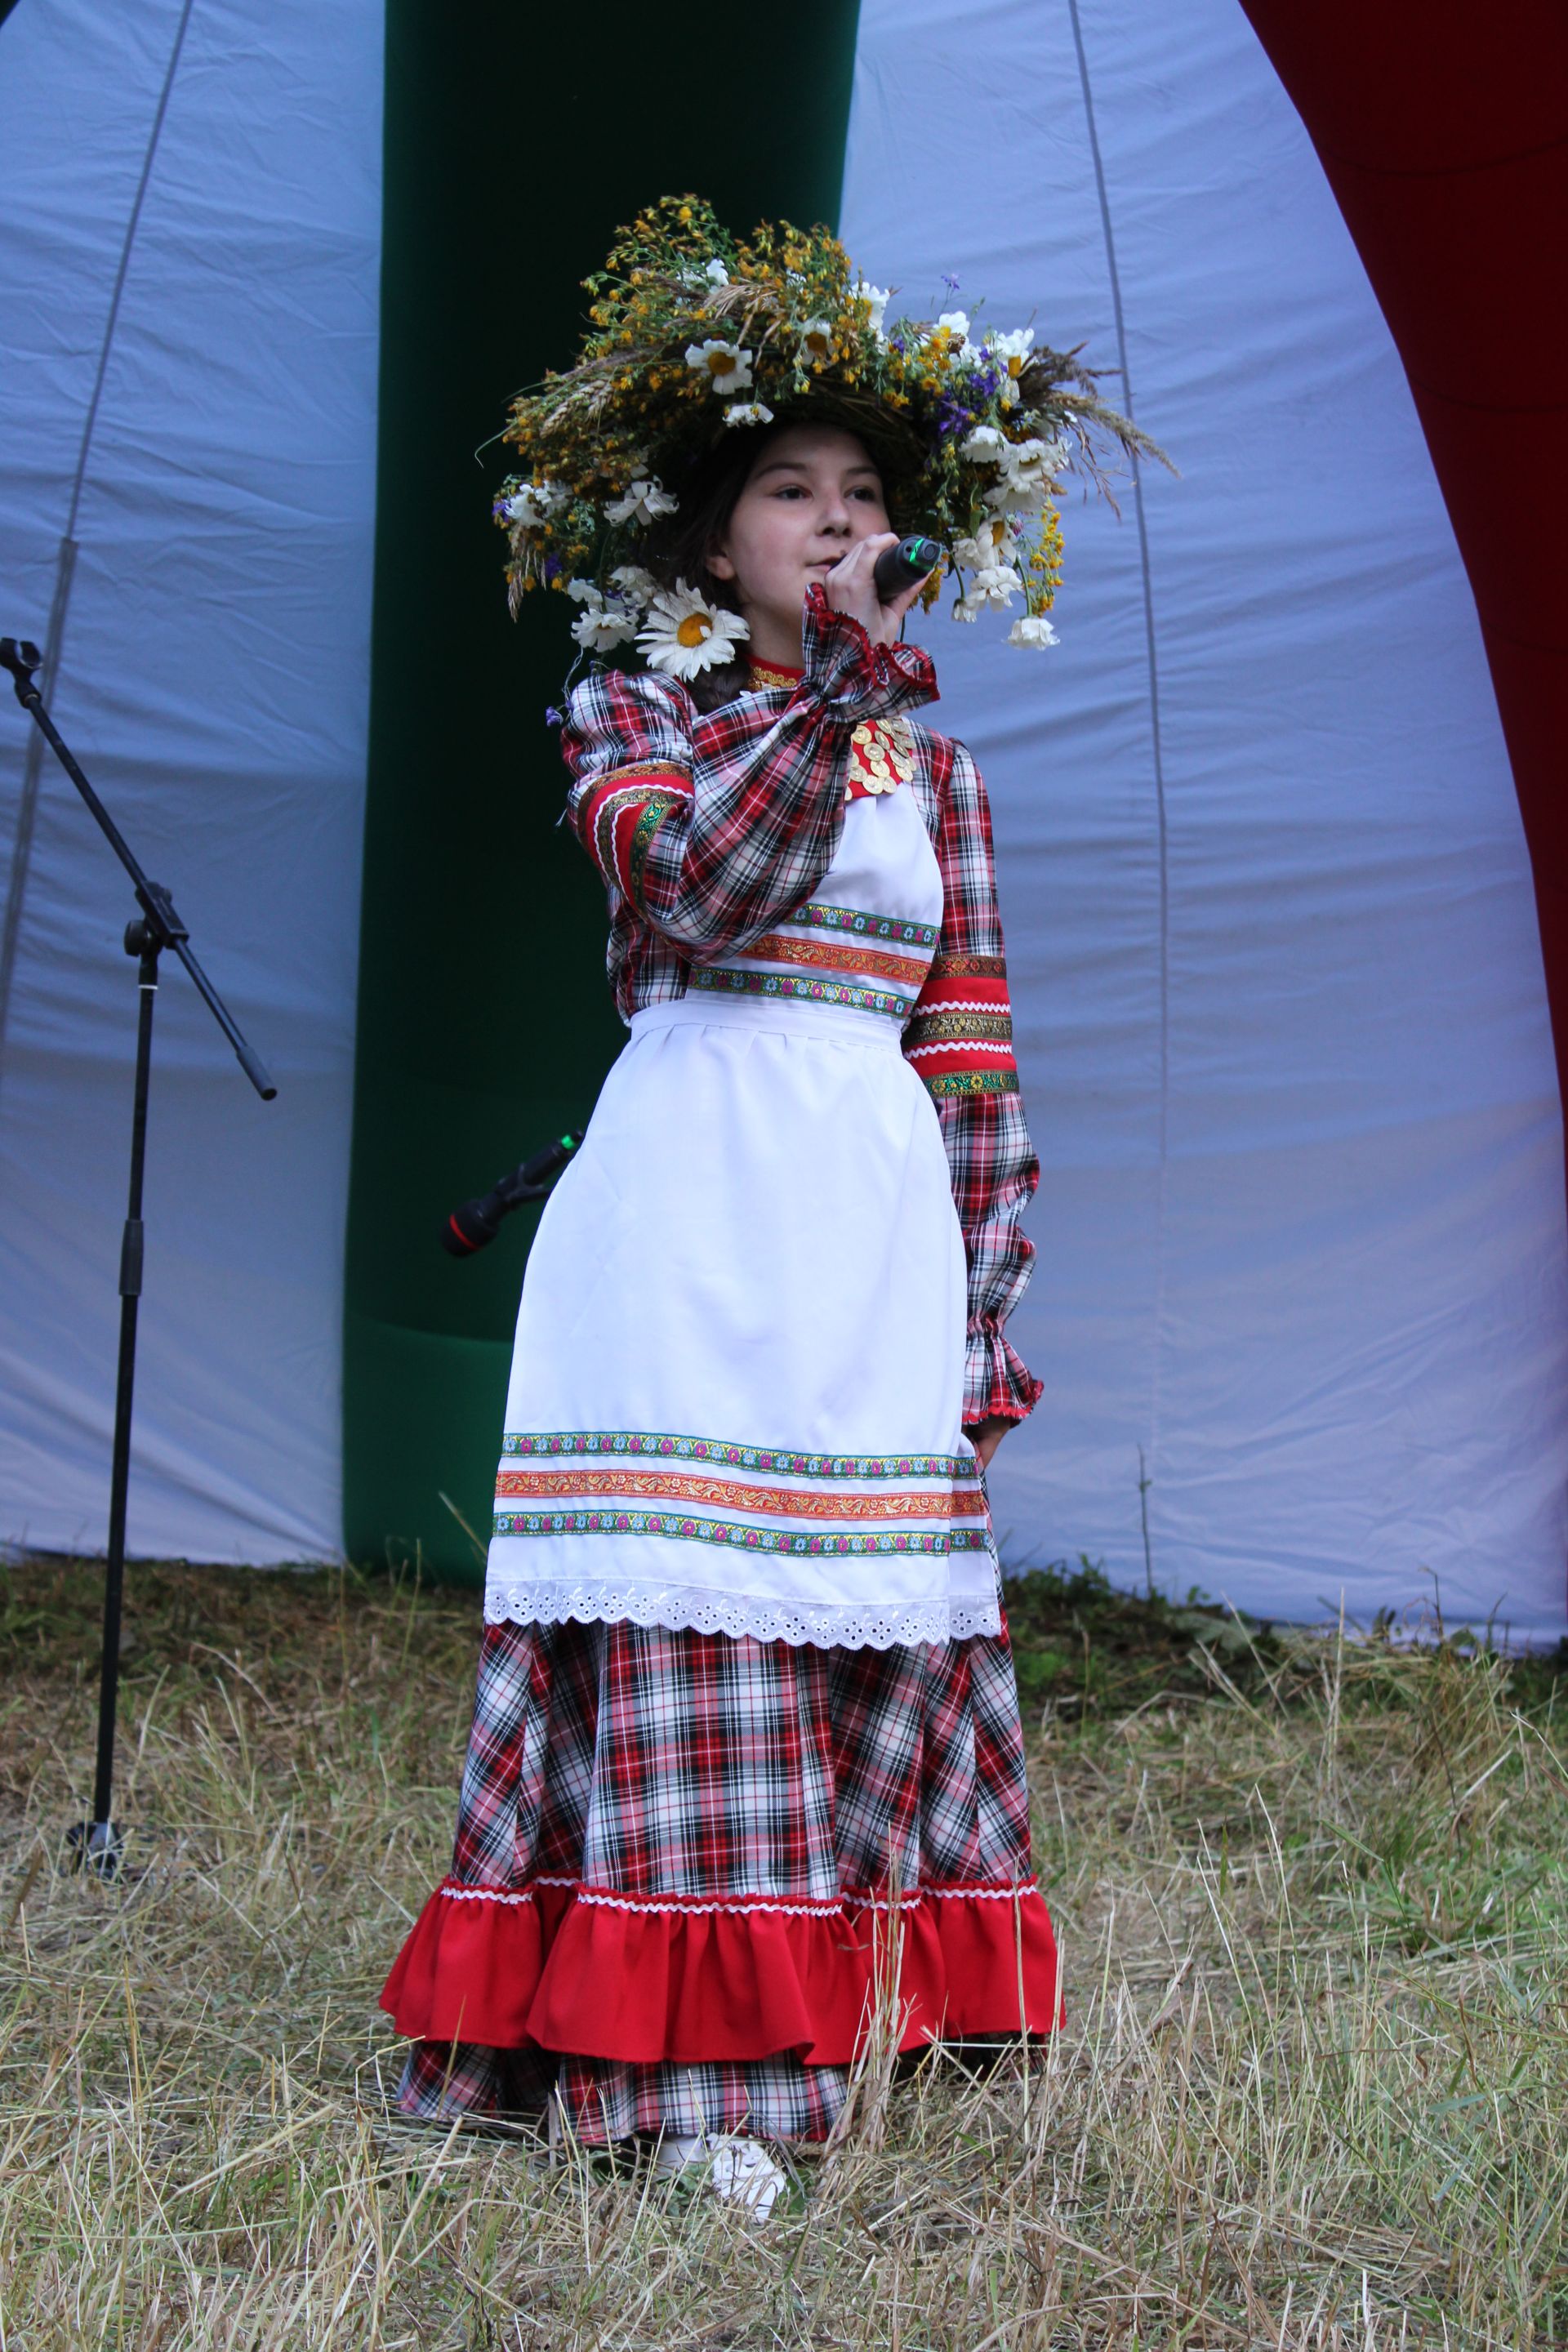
(578, 1969)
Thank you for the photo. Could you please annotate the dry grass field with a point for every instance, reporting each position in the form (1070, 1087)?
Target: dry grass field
(1312, 2091)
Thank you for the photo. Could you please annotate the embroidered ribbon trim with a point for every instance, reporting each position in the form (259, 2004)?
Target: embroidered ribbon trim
(963, 1026)
(723, 977)
(618, 814)
(969, 967)
(877, 927)
(779, 1461)
(965, 1501)
(826, 955)
(971, 1082)
(675, 1526)
(659, 806)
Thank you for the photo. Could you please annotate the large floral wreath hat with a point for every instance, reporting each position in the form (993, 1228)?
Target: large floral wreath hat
(696, 334)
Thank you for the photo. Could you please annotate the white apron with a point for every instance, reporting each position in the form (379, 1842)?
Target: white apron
(736, 1392)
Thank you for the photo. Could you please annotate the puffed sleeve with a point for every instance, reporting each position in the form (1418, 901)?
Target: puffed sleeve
(712, 825)
(959, 1041)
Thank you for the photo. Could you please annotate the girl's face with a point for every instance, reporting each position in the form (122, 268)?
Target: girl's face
(813, 493)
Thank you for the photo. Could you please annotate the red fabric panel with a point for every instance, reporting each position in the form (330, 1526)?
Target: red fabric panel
(1443, 135)
(646, 1986)
(643, 1985)
(467, 1970)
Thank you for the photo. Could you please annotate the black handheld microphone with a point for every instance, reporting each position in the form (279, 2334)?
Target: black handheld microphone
(468, 1228)
(897, 568)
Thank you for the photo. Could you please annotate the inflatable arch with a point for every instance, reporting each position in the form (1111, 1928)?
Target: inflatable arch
(269, 277)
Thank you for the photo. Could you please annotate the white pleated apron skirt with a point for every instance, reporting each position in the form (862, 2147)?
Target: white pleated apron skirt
(737, 1387)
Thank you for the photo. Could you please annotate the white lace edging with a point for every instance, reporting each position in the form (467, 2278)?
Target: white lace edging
(450, 1894)
(693, 1609)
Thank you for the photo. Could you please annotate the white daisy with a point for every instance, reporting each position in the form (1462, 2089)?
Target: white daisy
(996, 585)
(1009, 354)
(879, 298)
(815, 344)
(996, 536)
(1028, 470)
(748, 412)
(1034, 629)
(983, 447)
(727, 367)
(968, 608)
(534, 503)
(1035, 462)
(716, 273)
(685, 634)
(599, 626)
(644, 501)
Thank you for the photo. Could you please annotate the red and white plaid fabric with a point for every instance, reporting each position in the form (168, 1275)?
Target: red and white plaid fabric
(710, 828)
(648, 1768)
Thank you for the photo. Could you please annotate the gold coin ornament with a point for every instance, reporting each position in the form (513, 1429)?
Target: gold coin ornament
(881, 757)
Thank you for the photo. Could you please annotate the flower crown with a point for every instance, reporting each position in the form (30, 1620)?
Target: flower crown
(694, 334)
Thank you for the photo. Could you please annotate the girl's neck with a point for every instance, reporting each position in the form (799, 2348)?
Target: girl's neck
(772, 643)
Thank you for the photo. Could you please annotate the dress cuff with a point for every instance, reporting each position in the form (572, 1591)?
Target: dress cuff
(855, 679)
(996, 1381)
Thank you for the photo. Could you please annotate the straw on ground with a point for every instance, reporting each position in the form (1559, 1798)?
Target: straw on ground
(1312, 2090)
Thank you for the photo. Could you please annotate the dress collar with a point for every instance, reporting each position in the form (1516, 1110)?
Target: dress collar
(768, 674)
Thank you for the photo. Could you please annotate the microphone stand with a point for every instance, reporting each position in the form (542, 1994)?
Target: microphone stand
(98, 1844)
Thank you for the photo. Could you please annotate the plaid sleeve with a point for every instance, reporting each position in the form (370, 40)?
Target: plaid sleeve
(960, 1040)
(712, 826)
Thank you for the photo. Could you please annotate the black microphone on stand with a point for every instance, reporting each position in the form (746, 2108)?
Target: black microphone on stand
(476, 1223)
(897, 568)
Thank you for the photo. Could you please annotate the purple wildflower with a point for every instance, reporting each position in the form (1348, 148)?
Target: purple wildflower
(951, 283)
(553, 718)
(552, 567)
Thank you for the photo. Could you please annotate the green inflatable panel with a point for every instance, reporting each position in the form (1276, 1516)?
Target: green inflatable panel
(517, 141)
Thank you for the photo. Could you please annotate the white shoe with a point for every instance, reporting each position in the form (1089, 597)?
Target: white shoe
(738, 2169)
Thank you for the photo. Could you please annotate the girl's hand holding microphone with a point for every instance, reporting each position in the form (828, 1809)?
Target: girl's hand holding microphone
(852, 587)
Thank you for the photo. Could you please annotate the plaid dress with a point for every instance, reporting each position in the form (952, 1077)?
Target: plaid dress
(676, 1861)
(746, 1709)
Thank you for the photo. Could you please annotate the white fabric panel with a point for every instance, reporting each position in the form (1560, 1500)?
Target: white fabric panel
(1302, 1224)
(215, 683)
